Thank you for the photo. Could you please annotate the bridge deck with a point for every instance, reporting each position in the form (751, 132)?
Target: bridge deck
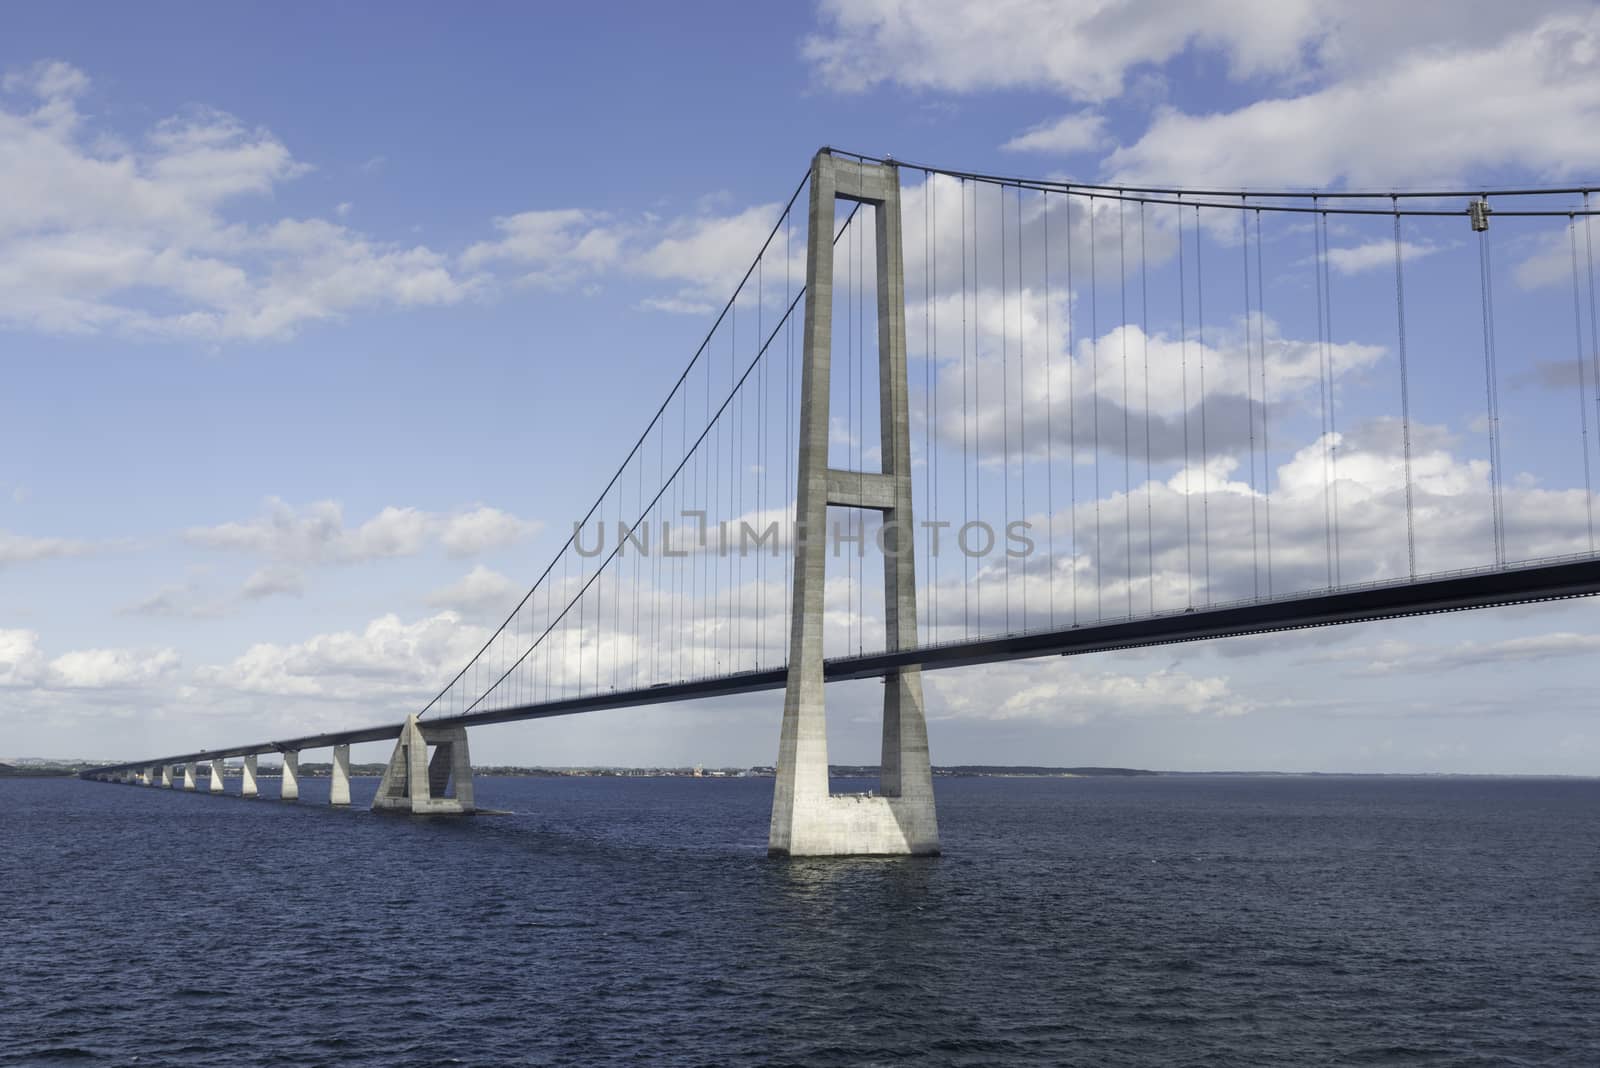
(1523, 584)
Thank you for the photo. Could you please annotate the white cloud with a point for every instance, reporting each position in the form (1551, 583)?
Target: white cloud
(676, 306)
(481, 592)
(100, 669)
(1071, 133)
(188, 600)
(706, 252)
(19, 548)
(1084, 50)
(271, 581)
(1402, 123)
(23, 665)
(484, 529)
(21, 662)
(90, 226)
(1061, 692)
(318, 534)
(550, 248)
(388, 659)
(1371, 255)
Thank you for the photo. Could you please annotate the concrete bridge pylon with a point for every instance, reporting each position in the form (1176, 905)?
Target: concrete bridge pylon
(900, 819)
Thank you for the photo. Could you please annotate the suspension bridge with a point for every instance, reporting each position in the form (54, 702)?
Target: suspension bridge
(950, 418)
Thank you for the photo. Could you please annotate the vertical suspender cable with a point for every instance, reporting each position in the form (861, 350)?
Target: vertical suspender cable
(788, 427)
(977, 402)
(1405, 393)
(1049, 414)
(1127, 460)
(933, 450)
(1490, 390)
(1022, 404)
(1183, 350)
(1266, 447)
(761, 463)
(1249, 394)
(1072, 414)
(1205, 451)
(1005, 403)
(861, 413)
(978, 411)
(927, 397)
(1094, 381)
(966, 512)
(1583, 390)
(1594, 326)
(1322, 389)
(1149, 480)
(1333, 411)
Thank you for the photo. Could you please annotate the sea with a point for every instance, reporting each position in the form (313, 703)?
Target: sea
(1164, 920)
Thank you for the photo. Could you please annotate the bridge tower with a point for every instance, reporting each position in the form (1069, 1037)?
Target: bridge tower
(806, 819)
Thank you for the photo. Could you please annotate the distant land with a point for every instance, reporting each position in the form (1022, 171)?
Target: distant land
(40, 767)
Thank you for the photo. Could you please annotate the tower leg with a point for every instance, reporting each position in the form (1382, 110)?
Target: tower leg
(806, 819)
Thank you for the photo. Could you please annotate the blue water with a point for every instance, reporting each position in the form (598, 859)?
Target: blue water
(1166, 921)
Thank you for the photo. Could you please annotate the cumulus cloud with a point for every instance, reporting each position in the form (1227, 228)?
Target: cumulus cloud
(705, 252)
(1400, 123)
(480, 592)
(484, 529)
(90, 225)
(550, 248)
(388, 659)
(1071, 133)
(1084, 51)
(1372, 255)
(317, 534)
(23, 664)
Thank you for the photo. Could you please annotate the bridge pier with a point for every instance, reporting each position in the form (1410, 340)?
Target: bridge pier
(188, 776)
(339, 784)
(806, 819)
(166, 776)
(216, 776)
(247, 783)
(413, 783)
(290, 790)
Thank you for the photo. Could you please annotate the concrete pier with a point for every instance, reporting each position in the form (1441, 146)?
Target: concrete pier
(247, 784)
(339, 786)
(806, 819)
(188, 776)
(166, 776)
(147, 776)
(216, 776)
(414, 783)
(290, 790)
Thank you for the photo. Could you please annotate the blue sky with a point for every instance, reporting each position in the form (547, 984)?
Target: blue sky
(317, 332)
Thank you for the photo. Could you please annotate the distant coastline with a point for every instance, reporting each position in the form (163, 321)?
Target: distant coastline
(40, 768)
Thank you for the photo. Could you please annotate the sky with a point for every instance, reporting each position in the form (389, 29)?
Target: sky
(317, 332)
